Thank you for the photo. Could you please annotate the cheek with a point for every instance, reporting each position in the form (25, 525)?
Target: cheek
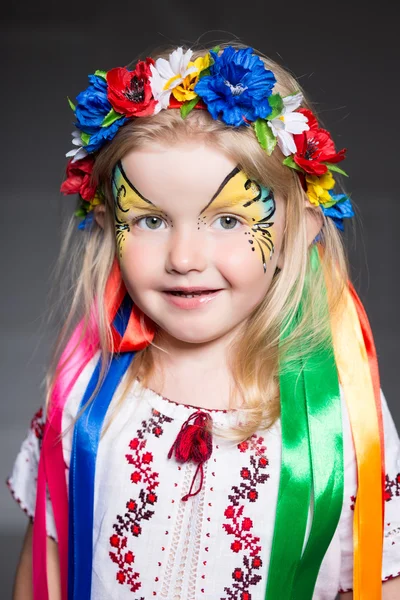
(139, 261)
(242, 266)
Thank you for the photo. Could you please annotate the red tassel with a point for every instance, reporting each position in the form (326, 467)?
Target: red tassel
(193, 442)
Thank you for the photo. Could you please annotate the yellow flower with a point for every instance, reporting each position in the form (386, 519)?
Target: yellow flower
(94, 202)
(185, 90)
(317, 188)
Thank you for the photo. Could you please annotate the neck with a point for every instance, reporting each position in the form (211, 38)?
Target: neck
(193, 373)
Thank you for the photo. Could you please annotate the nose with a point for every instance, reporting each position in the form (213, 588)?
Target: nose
(187, 251)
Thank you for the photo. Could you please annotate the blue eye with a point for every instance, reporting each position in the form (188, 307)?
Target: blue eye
(152, 222)
(229, 221)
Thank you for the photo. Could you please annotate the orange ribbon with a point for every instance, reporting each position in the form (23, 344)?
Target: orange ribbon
(358, 374)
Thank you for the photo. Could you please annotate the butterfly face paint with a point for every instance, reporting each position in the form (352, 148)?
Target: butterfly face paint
(249, 200)
(187, 216)
(253, 203)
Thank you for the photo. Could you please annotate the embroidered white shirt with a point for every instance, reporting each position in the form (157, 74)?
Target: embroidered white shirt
(148, 543)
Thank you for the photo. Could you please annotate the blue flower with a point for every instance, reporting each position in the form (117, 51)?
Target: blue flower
(86, 222)
(339, 211)
(103, 134)
(92, 106)
(237, 88)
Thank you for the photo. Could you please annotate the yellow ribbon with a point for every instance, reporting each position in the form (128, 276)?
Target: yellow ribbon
(355, 378)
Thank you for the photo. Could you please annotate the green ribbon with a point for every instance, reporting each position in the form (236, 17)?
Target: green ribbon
(312, 467)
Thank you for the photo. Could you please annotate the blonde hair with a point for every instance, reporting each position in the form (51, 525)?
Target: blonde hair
(254, 357)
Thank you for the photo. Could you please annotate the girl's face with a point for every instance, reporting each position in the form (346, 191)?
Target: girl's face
(186, 216)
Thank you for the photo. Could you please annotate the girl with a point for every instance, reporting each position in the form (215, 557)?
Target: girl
(214, 426)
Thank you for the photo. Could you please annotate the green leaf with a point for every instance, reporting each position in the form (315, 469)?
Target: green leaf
(336, 169)
(204, 72)
(216, 49)
(289, 162)
(71, 104)
(188, 107)
(329, 204)
(85, 137)
(101, 74)
(276, 103)
(110, 118)
(265, 136)
(80, 212)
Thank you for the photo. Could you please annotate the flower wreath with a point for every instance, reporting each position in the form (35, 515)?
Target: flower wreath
(235, 87)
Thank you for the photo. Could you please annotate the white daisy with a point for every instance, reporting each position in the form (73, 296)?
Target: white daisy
(288, 123)
(167, 74)
(79, 152)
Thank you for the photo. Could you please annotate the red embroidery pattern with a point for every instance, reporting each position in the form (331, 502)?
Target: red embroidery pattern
(240, 526)
(37, 424)
(392, 576)
(392, 488)
(140, 509)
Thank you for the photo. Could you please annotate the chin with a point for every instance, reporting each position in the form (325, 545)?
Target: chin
(190, 334)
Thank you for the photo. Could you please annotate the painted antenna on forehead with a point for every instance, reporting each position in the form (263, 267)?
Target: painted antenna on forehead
(232, 174)
(119, 171)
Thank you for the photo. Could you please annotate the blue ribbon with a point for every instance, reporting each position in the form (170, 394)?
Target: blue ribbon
(82, 473)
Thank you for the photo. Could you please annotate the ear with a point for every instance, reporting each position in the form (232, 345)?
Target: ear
(314, 223)
(99, 212)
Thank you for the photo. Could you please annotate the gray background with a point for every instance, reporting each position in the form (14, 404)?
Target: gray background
(346, 58)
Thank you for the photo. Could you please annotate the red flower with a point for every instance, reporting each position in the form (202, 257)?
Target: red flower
(121, 577)
(247, 524)
(314, 147)
(388, 495)
(131, 505)
(174, 103)
(151, 498)
(133, 444)
(129, 92)
(135, 477)
(236, 546)
(136, 529)
(114, 541)
(79, 178)
(252, 495)
(147, 458)
(245, 473)
(229, 512)
(237, 574)
(243, 446)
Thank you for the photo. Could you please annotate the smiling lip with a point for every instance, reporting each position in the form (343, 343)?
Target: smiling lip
(190, 303)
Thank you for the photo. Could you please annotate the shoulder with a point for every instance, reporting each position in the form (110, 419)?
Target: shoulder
(75, 396)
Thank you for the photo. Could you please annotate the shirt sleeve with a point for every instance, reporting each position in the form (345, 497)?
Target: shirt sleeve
(22, 482)
(391, 542)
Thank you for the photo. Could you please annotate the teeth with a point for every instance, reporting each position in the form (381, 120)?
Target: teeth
(190, 295)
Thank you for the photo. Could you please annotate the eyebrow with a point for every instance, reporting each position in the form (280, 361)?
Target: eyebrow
(232, 174)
